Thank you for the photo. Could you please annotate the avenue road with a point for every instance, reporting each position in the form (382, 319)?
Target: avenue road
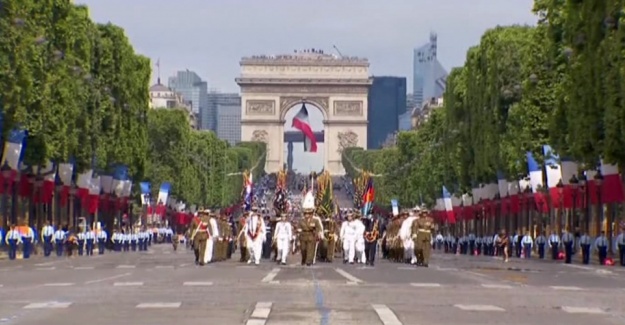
(165, 287)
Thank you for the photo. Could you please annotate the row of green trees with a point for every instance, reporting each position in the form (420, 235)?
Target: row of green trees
(558, 83)
(81, 91)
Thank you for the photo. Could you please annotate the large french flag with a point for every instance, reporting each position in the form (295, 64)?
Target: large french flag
(13, 151)
(569, 169)
(49, 182)
(553, 170)
(536, 182)
(163, 196)
(93, 201)
(612, 187)
(467, 206)
(65, 175)
(301, 122)
(120, 176)
(450, 216)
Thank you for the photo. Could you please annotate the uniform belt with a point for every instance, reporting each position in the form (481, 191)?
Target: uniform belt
(421, 230)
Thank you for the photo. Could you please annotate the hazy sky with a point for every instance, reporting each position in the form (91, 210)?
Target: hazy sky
(210, 36)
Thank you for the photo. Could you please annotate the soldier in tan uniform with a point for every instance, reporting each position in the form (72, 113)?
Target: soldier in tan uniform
(200, 236)
(422, 235)
(241, 239)
(330, 231)
(309, 230)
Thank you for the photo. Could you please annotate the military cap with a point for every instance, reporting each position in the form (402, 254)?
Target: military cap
(254, 208)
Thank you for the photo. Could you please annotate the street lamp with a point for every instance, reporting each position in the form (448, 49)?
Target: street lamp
(583, 188)
(72, 205)
(574, 181)
(599, 181)
(558, 217)
(6, 174)
(528, 198)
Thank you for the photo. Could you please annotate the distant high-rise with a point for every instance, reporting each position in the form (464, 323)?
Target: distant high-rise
(387, 101)
(429, 76)
(193, 90)
(228, 126)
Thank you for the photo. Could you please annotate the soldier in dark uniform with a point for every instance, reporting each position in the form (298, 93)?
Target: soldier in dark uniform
(268, 244)
(372, 233)
(231, 240)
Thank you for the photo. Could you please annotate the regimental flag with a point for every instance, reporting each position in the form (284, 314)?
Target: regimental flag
(536, 182)
(301, 122)
(65, 176)
(612, 187)
(249, 192)
(14, 151)
(367, 197)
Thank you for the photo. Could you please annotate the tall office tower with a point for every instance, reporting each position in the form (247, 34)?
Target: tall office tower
(192, 88)
(387, 101)
(229, 118)
(215, 99)
(429, 76)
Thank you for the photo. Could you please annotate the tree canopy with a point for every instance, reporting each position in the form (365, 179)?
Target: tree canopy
(82, 93)
(558, 83)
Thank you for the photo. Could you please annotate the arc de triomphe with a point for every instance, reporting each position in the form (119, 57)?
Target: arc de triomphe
(272, 85)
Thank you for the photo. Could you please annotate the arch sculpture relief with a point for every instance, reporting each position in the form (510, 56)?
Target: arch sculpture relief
(347, 139)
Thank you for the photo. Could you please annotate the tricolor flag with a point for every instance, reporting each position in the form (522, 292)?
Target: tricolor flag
(449, 207)
(536, 182)
(367, 197)
(13, 150)
(300, 122)
(249, 195)
(145, 193)
(612, 187)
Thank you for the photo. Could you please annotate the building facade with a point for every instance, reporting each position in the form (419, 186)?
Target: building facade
(229, 118)
(421, 115)
(387, 101)
(162, 97)
(429, 76)
(193, 89)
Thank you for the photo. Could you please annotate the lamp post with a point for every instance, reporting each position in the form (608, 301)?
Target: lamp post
(528, 199)
(599, 182)
(574, 181)
(558, 218)
(584, 190)
(72, 206)
(6, 174)
(58, 188)
(498, 215)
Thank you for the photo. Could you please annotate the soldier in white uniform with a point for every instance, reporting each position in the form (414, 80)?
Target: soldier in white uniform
(254, 231)
(214, 234)
(348, 236)
(360, 241)
(283, 234)
(405, 235)
(89, 241)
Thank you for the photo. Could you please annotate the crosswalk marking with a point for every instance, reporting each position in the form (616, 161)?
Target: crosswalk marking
(564, 288)
(197, 284)
(496, 286)
(126, 266)
(62, 284)
(155, 305)
(270, 276)
(583, 310)
(479, 308)
(348, 276)
(387, 316)
(48, 305)
(426, 285)
(260, 314)
(128, 284)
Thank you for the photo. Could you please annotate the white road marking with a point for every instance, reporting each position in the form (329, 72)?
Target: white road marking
(84, 268)
(426, 285)
(447, 269)
(62, 284)
(125, 267)
(44, 264)
(408, 268)
(348, 276)
(128, 284)
(108, 279)
(1, 285)
(496, 286)
(197, 284)
(46, 268)
(48, 305)
(564, 288)
(159, 305)
(164, 267)
(260, 314)
(271, 275)
(479, 308)
(583, 310)
(387, 316)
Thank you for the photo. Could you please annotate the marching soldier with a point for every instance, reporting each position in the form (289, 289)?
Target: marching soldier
(242, 239)
(422, 235)
(13, 240)
(554, 244)
(47, 232)
(254, 231)
(59, 241)
(585, 243)
(568, 241)
(330, 230)
(309, 230)
(372, 232)
(541, 241)
(80, 237)
(200, 236)
(601, 245)
(283, 235)
(89, 241)
(267, 244)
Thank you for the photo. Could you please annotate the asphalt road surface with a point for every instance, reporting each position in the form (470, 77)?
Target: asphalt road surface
(163, 287)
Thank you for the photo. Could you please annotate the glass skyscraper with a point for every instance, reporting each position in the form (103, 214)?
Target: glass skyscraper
(429, 76)
(229, 118)
(194, 90)
(387, 101)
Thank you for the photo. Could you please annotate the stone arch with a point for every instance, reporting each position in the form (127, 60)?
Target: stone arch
(321, 103)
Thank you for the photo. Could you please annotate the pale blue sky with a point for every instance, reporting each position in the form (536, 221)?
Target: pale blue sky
(210, 36)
